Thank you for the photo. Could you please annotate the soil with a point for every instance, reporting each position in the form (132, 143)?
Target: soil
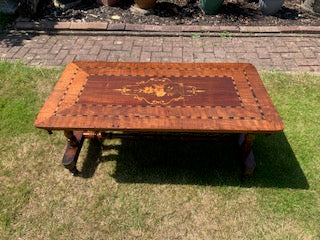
(176, 12)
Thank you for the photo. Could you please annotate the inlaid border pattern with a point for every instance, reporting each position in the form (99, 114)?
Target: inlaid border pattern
(254, 95)
(158, 117)
(81, 90)
(167, 75)
(65, 92)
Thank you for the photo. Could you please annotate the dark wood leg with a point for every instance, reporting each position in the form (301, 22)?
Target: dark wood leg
(71, 138)
(75, 141)
(247, 157)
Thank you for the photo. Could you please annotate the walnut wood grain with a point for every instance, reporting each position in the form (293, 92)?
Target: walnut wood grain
(160, 97)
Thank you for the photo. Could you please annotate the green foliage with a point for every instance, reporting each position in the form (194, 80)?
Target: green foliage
(225, 34)
(195, 35)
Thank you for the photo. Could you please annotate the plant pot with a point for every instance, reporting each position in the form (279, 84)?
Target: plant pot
(145, 4)
(210, 6)
(269, 7)
(107, 2)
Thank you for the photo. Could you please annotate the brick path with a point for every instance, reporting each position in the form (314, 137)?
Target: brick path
(273, 53)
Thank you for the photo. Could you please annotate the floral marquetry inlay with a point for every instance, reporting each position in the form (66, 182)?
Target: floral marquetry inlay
(161, 91)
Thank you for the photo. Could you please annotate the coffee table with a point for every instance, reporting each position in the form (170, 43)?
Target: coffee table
(108, 99)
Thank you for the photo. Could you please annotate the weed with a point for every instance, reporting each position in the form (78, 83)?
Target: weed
(225, 35)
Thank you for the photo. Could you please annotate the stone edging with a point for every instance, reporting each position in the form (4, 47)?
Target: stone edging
(104, 26)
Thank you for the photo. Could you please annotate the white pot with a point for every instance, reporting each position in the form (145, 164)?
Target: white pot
(269, 7)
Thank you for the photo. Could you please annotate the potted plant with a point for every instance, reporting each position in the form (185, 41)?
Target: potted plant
(210, 6)
(269, 7)
(145, 4)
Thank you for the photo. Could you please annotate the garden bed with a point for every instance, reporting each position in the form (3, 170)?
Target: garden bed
(177, 12)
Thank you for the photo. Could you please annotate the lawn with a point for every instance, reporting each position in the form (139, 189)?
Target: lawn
(153, 189)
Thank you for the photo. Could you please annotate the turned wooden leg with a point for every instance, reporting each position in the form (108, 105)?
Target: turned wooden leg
(69, 160)
(247, 157)
(71, 138)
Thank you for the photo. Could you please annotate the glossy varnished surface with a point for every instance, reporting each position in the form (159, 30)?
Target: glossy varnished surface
(195, 97)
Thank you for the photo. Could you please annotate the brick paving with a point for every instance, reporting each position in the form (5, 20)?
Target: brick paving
(267, 53)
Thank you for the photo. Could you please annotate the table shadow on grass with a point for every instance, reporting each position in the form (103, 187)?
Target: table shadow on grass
(199, 162)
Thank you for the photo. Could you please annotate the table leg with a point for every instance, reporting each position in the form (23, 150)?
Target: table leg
(247, 157)
(71, 138)
(75, 141)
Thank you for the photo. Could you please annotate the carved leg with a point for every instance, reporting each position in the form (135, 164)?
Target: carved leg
(71, 138)
(247, 157)
(73, 149)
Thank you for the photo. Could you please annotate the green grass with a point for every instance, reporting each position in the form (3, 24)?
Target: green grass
(157, 189)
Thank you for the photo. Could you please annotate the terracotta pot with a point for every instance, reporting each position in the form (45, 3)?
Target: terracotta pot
(145, 4)
(107, 2)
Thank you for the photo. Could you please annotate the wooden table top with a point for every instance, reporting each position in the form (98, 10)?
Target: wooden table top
(180, 97)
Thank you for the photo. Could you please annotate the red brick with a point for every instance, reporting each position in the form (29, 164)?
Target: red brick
(95, 50)
(209, 28)
(39, 51)
(134, 27)
(127, 45)
(305, 68)
(151, 48)
(190, 28)
(309, 29)
(68, 58)
(21, 53)
(99, 26)
(306, 62)
(116, 27)
(136, 51)
(160, 54)
(79, 26)
(79, 51)
(89, 44)
(55, 25)
(86, 57)
(103, 55)
(173, 28)
(230, 28)
(177, 51)
(288, 29)
(249, 29)
(153, 28)
(308, 53)
(269, 29)
(62, 54)
(145, 57)
(167, 48)
(55, 49)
